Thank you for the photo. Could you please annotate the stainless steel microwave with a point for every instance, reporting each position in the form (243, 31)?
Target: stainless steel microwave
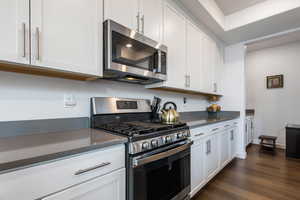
(132, 57)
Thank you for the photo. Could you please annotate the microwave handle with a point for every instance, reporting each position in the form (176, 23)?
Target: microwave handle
(159, 62)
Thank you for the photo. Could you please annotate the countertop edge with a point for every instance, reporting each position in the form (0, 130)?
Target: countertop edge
(40, 160)
(210, 123)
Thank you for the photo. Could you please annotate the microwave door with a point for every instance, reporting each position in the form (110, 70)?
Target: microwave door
(132, 55)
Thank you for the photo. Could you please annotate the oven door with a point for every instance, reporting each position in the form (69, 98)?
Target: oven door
(128, 54)
(161, 176)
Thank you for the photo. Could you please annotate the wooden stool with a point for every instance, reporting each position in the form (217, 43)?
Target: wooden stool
(268, 143)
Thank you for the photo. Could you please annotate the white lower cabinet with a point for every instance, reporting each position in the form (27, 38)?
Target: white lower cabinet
(249, 130)
(110, 187)
(197, 166)
(214, 147)
(233, 141)
(224, 148)
(211, 156)
(99, 173)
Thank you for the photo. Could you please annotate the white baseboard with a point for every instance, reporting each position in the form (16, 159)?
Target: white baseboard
(241, 155)
(278, 145)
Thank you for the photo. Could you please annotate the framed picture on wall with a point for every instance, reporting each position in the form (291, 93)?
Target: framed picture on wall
(275, 81)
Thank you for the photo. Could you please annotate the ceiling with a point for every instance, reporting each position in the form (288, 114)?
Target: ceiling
(247, 24)
(230, 6)
(274, 41)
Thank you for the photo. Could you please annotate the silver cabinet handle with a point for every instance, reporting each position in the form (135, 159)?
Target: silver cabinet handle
(199, 134)
(215, 87)
(138, 22)
(83, 171)
(37, 35)
(232, 136)
(187, 81)
(208, 147)
(24, 39)
(143, 24)
(215, 129)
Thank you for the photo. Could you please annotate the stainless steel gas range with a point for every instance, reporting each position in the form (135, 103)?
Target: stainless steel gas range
(158, 155)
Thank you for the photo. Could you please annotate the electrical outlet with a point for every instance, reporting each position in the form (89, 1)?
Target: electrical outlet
(69, 101)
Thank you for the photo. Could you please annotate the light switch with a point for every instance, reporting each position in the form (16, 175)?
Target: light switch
(69, 101)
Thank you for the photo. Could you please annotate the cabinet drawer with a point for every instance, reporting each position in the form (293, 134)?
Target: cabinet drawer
(36, 182)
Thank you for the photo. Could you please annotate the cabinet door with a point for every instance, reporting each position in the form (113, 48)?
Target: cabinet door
(197, 166)
(224, 148)
(152, 18)
(233, 135)
(174, 38)
(194, 57)
(110, 187)
(211, 156)
(206, 55)
(248, 128)
(125, 12)
(209, 62)
(14, 34)
(67, 35)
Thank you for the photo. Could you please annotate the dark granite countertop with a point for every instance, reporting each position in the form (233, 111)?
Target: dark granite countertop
(203, 118)
(24, 151)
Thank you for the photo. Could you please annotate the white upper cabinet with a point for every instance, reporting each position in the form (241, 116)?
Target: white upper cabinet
(194, 57)
(144, 16)
(174, 37)
(208, 64)
(67, 35)
(14, 34)
(125, 12)
(151, 18)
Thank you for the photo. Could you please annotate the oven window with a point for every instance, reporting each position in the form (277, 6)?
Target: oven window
(130, 52)
(163, 179)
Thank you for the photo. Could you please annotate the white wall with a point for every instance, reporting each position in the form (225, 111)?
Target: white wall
(274, 107)
(233, 88)
(26, 97)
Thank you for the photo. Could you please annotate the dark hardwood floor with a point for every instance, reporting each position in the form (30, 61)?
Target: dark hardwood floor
(260, 177)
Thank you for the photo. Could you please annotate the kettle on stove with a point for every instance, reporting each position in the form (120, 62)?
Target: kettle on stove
(170, 115)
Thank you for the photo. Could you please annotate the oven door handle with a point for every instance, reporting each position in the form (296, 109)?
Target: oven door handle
(142, 161)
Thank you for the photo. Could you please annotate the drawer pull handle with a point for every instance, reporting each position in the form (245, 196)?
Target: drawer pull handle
(82, 171)
(215, 129)
(199, 134)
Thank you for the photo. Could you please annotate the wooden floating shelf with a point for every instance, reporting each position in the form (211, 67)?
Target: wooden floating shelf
(43, 71)
(183, 91)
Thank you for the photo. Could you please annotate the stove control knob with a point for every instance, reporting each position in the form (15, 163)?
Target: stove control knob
(179, 135)
(168, 139)
(145, 145)
(154, 143)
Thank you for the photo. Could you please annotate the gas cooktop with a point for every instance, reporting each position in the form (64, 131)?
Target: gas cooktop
(137, 128)
(132, 118)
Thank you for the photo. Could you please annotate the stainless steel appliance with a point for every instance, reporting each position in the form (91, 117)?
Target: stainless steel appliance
(158, 154)
(130, 56)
